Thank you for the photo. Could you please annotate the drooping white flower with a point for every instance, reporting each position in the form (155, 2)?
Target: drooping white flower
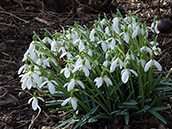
(72, 83)
(67, 70)
(103, 44)
(83, 65)
(156, 50)
(142, 62)
(154, 27)
(151, 63)
(106, 63)
(47, 40)
(115, 25)
(115, 63)
(50, 84)
(111, 43)
(35, 102)
(99, 81)
(30, 79)
(139, 30)
(92, 35)
(73, 101)
(23, 68)
(153, 43)
(145, 48)
(125, 74)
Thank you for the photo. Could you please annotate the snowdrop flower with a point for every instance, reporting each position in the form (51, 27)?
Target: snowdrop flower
(142, 62)
(117, 62)
(103, 22)
(156, 50)
(54, 45)
(42, 61)
(126, 72)
(154, 27)
(23, 68)
(47, 40)
(73, 101)
(85, 66)
(68, 54)
(112, 43)
(106, 63)
(35, 102)
(50, 84)
(126, 36)
(92, 35)
(153, 43)
(145, 48)
(130, 55)
(30, 79)
(115, 25)
(72, 83)
(139, 30)
(103, 44)
(99, 81)
(151, 63)
(67, 70)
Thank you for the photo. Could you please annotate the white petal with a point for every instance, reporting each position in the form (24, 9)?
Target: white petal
(51, 88)
(125, 76)
(99, 81)
(62, 55)
(43, 84)
(104, 46)
(40, 98)
(71, 85)
(134, 72)
(24, 85)
(86, 71)
(76, 68)
(81, 84)
(108, 81)
(29, 83)
(148, 65)
(105, 63)
(74, 103)
(157, 65)
(21, 69)
(134, 33)
(30, 100)
(65, 101)
(34, 103)
(126, 37)
(67, 73)
(113, 65)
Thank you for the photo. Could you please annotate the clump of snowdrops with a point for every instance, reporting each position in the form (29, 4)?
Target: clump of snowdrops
(102, 73)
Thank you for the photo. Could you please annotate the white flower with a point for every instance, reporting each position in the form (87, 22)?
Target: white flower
(115, 24)
(66, 70)
(117, 62)
(138, 30)
(73, 101)
(99, 81)
(111, 43)
(125, 74)
(145, 48)
(156, 50)
(92, 35)
(153, 43)
(154, 27)
(47, 40)
(104, 45)
(23, 68)
(142, 62)
(126, 36)
(83, 66)
(72, 83)
(50, 84)
(35, 102)
(151, 63)
(30, 79)
(130, 56)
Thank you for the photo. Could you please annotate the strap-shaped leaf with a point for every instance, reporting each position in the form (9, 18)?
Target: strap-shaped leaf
(157, 115)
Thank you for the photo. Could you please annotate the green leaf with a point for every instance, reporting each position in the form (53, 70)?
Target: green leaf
(127, 117)
(161, 108)
(131, 103)
(146, 107)
(157, 115)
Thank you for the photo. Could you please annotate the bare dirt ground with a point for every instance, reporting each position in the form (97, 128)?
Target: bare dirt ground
(17, 23)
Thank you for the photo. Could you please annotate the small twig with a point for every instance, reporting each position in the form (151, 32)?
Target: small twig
(14, 16)
(5, 24)
(11, 62)
(32, 122)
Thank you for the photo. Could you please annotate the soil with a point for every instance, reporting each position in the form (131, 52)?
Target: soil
(18, 20)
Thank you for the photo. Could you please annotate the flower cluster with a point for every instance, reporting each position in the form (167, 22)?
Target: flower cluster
(110, 65)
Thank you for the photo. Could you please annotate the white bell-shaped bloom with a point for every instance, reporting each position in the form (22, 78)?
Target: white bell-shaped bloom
(115, 25)
(67, 70)
(145, 48)
(47, 40)
(106, 63)
(23, 68)
(73, 101)
(142, 62)
(50, 84)
(99, 81)
(30, 79)
(35, 102)
(72, 83)
(151, 63)
(156, 50)
(126, 73)
(104, 45)
(117, 62)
